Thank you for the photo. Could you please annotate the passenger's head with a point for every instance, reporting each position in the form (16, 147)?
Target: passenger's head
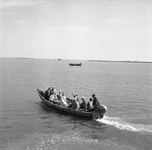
(83, 98)
(93, 95)
(60, 91)
(90, 99)
(52, 87)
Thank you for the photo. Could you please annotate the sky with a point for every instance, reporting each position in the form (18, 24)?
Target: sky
(117, 30)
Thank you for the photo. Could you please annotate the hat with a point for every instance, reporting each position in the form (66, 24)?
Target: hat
(83, 97)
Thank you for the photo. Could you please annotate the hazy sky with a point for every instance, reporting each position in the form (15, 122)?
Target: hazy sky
(76, 29)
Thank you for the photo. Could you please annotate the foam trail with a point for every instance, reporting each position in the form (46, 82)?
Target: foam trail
(122, 125)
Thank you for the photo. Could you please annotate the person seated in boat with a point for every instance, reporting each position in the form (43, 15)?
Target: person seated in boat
(76, 97)
(72, 101)
(83, 105)
(53, 91)
(53, 95)
(95, 102)
(64, 97)
(97, 107)
(59, 95)
(54, 99)
(47, 94)
(63, 100)
(75, 103)
(89, 105)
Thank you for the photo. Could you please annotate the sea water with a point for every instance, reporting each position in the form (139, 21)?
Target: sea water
(27, 124)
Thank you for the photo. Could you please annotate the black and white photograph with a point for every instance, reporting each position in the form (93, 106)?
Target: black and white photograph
(75, 74)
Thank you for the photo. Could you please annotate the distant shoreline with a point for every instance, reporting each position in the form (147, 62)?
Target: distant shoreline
(115, 61)
(121, 61)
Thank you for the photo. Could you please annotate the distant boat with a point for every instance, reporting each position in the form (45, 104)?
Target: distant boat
(75, 64)
(59, 59)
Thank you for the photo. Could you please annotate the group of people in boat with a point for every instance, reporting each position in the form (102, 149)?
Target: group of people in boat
(60, 99)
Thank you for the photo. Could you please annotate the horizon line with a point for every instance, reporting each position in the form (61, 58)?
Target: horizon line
(93, 60)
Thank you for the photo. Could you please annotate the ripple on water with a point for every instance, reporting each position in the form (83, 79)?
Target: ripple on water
(74, 141)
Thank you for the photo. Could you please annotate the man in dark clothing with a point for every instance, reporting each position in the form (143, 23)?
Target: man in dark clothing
(47, 94)
(100, 109)
(83, 105)
(95, 101)
(53, 91)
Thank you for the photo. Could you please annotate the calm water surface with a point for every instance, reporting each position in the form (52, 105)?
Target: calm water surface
(26, 124)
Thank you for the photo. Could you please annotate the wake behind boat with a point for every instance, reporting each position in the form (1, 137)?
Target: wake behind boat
(97, 113)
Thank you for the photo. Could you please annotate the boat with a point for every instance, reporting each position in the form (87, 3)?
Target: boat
(80, 112)
(75, 64)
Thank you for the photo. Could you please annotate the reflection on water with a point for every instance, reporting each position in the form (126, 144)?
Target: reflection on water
(72, 141)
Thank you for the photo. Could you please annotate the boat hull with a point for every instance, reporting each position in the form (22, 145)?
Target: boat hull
(71, 64)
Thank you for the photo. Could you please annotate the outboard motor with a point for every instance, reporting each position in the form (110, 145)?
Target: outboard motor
(100, 111)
